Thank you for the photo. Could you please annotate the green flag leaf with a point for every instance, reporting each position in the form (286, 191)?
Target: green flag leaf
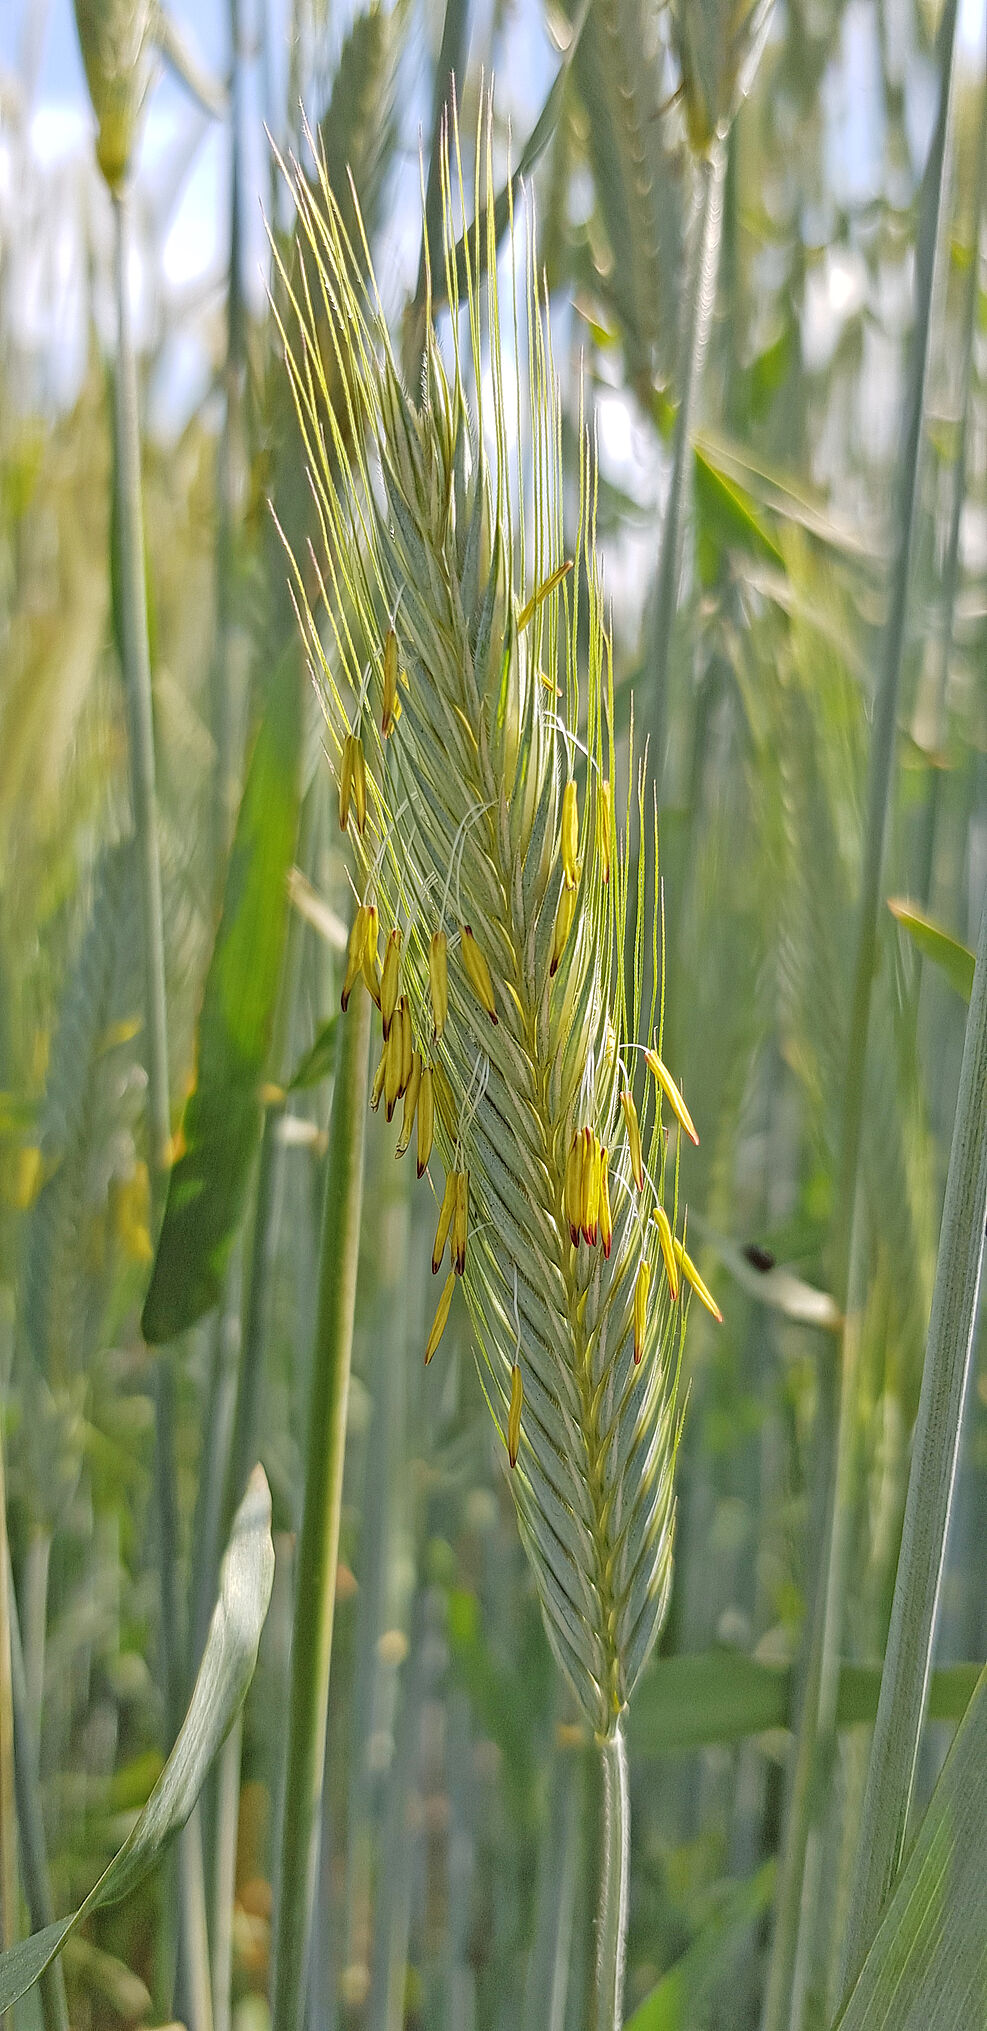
(225, 1672)
(953, 959)
(222, 1123)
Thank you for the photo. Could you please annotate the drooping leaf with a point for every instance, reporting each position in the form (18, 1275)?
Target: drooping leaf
(222, 1122)
(952, 958)
(727, 518)
(225, 1673)
(927, 1966)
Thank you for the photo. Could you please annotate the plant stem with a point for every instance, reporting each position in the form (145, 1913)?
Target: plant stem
(614, 1882)
(908, 1658)
(318, 1542)
(794, 1913)
(951, 560)
(136, 660)
(136, 657)
(694, 344)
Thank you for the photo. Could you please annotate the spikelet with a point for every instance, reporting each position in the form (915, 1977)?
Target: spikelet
(527, 1031)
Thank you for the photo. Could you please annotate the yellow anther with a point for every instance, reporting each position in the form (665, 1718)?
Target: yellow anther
(411, 1097)
(379, 1077)
(354, 955)
(407, 1043)
(389, 980)
(370, 973)
(438, 980)
(633, 1137)
(671, 1092)
(541, 592)
(665, 1236)
(446, 1211)
(641, 1287)
(353, 783)
(514, 1414)
(606, 1218)
(590, 1188)
(441, 1315)
(459, 1221)
(563, 925)
(392, 1069)
(479, 972)
(702, 1290)
(572, 1192)
(426, 1119)
(604, 819)
(570, 834)
(391, 703)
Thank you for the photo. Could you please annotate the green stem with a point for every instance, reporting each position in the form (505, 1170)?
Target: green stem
(318, 1541)
(908, 1658)
(136, 660)
(614, 1883)
(951, 561)
(694, 344)
(794, 1917)
(136, 657)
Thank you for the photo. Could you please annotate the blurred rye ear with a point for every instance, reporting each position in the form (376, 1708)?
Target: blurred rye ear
(463, 654)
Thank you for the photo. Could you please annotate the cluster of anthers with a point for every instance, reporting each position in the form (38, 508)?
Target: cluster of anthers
(468, 690)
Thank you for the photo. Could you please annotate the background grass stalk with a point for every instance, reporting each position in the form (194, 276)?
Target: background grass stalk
(795, 1910)
(136, 658)
(318, 1542)
(614, 1884)
(692, 355)
(935, 1455)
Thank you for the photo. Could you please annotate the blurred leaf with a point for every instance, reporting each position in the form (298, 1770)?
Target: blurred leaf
(727, 519)
(222, 1123)
(685, 1703)
(776, 1284)
(225, 1672)
(953, 959)
(927, 1968)
(318, 1062)
(689, 1985)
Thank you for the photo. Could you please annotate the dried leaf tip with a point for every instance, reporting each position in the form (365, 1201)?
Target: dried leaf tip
(479, 972)
(514, 1414)
(691, 1274)
(441, 1315)
(671, 1092)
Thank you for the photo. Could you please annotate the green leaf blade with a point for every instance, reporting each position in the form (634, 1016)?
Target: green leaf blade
(226, 1670)
(222, 1122)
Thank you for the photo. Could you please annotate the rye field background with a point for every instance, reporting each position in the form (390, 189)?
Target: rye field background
(493, 530)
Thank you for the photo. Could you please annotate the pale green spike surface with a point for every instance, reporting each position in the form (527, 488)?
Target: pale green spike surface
(434, 523)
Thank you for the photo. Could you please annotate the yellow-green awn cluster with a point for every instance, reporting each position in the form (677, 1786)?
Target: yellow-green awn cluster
(466, 676)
